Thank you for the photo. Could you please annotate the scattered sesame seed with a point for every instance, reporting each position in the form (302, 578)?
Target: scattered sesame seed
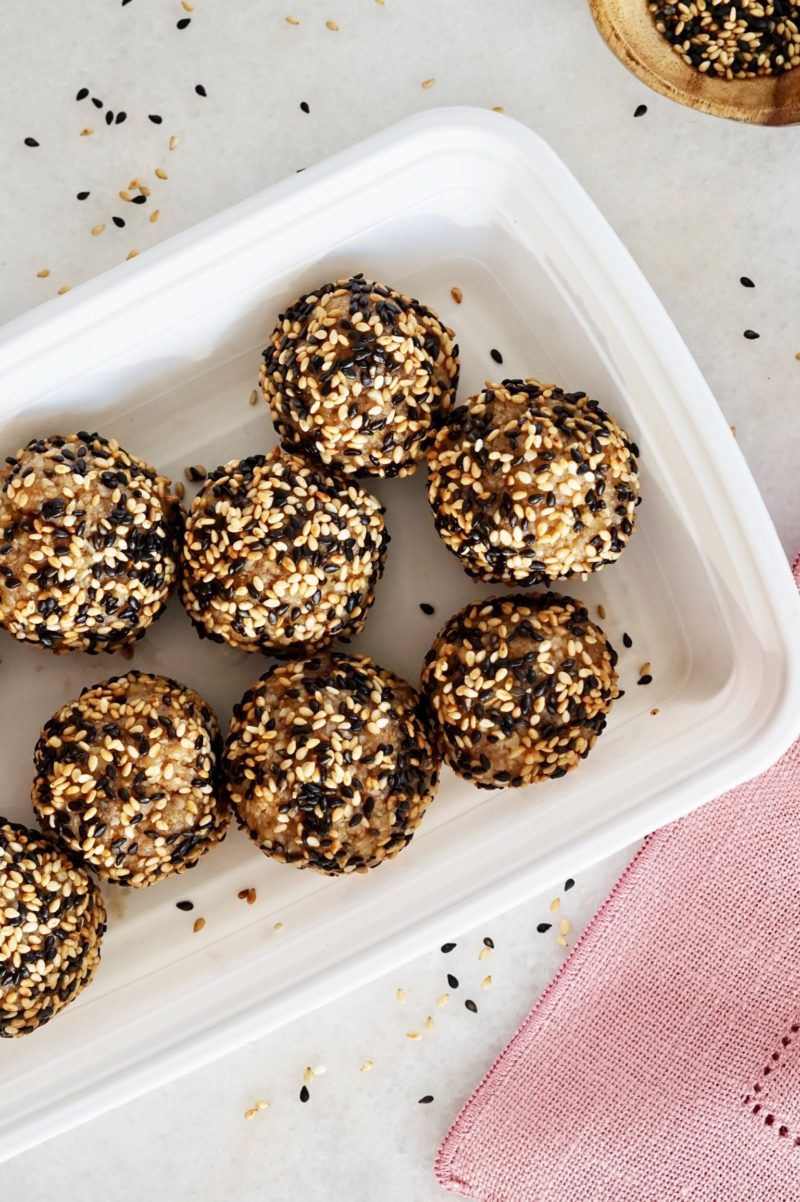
(304, 105)
(83, 195)
(457, 295)
(655, 712)
(277, 926)
(429, 1023)
(251, 897)
(31, 142)
(195, 473)
(426, 1100)
(308, 1075)
(131, 254)
(640, 110)
(413, 1035)
(797, 356)
(498, 358)
(448, 947)
(118, 222)
(452, 981)
(43, 274)
(156, 118)
(98, 229)
(426, 608)
(561, 940)
(304, 1094)
(733, 431)
(161, 173)
(564, 926)
(486, 983)
(470, 1005)
(427, 83)
(751, 334)
(484, 953)
(569, 883)
(442, 999)
(645, 668)
(120, 117)
(185, 905)
(253, 399)
(646, 679)
(601, 613)
(98, 104)
(183, 23)
(198, 87)
(199, 923)
(82, 94)
(254, 1109)
(366, 1066)
(187, 6)
(555, 905)
(155, 215)
(291, 20)
(627, 641)
(64, 288)
(332, 26)
(139, 200)
(86, 133)
(400, 995)
(746, 282)
(543, 927)
(498, 108)
(173, 142)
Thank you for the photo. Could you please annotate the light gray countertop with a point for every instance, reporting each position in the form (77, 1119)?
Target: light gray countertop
(698, 201)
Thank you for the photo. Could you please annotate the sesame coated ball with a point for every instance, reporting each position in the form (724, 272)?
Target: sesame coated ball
(280, 555)
(126, 776)
(360, 376)
(329, 763)
(519, 688)
(89, 539)
(52, 921)
(530, 484)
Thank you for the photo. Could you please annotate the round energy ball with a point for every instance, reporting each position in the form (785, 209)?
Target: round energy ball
(279, 555)
(52, 921)
(329, 764)
(126, 776)
(89, 539)
(519, 688)
(530, 484)
(360, 376)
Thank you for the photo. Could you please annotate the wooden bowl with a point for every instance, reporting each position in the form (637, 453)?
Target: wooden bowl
(629, 29)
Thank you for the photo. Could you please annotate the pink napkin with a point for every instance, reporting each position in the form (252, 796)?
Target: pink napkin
(663, 1062)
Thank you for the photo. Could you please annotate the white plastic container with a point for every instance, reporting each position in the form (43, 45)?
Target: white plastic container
(162, 353)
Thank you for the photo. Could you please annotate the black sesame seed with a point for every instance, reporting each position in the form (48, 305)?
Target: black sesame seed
(568, 883)
(304, 106)
(155, 118)
(110, 117)
(185, 905)
(640, 110)
(470, 1005)
(426, 607)
(627, 641)
(646, 679)
(448, 947)
(83, 195)
(304, 1094)
(746, 282)
(452, 981)
(498, 358)
(118, 222)
(98, 104)
(751, 334)
(428, 1098)
(31, 142)
(122, 116)
(487, 942)
(200, 90)
(542, 927)
(139, 200)
(184, 21)
(82, 94)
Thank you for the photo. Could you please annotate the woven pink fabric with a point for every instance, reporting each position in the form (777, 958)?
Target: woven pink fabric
(663, 1063)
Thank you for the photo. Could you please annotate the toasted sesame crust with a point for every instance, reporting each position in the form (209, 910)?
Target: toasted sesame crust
(519, 688)
(52, 920)
(89, 538)
(126, 776)
(529, 484)
(359, 375)
(329, 764)
(281, 555)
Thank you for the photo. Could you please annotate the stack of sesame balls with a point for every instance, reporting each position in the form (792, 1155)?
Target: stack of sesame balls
(331, 760)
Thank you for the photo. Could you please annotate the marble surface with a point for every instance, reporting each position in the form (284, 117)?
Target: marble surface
(699, 202)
